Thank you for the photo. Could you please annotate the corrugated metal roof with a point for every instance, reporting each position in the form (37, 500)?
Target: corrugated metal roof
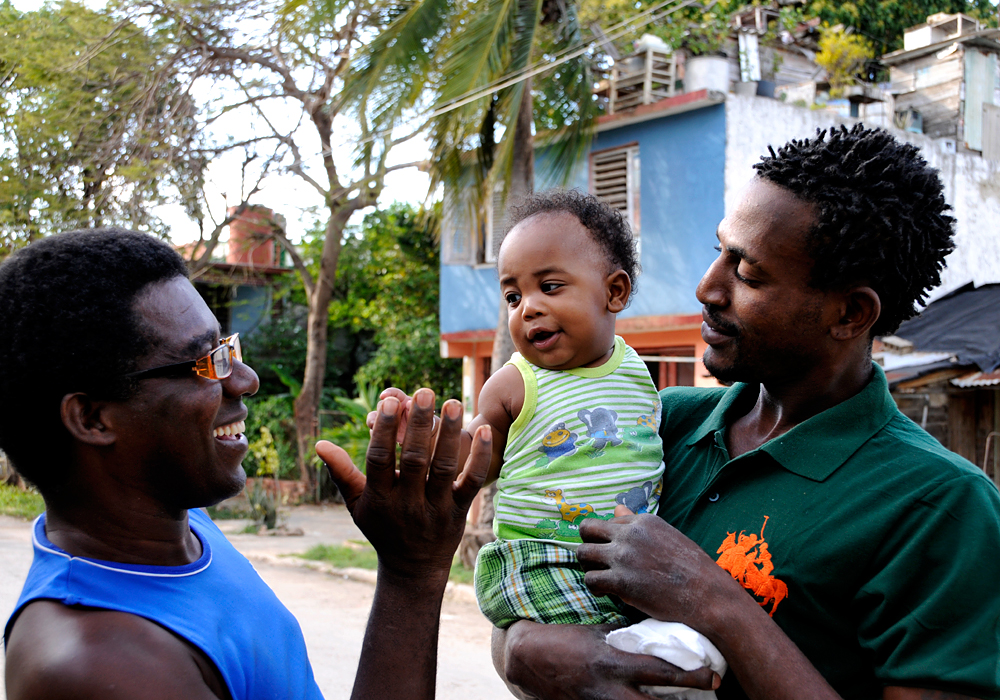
(892, 361)
(974, 379)
(965, 323)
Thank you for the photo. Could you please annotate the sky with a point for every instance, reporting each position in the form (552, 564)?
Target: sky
(286, 194)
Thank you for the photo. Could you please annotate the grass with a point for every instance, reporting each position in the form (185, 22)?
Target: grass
(20, 504)
(222, 513)
(344, 556)
(361, 555)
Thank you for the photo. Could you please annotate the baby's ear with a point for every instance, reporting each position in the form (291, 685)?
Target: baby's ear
(619, 290)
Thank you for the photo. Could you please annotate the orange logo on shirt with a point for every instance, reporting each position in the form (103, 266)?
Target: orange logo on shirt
(752, 568)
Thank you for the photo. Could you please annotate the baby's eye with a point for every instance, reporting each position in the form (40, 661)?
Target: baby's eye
(512, 298)
(550, 286)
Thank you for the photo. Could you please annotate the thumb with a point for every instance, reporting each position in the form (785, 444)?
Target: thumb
(348, 478)
(619, 510)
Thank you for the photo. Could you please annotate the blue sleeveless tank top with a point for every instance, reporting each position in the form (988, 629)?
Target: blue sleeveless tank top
(218, 603)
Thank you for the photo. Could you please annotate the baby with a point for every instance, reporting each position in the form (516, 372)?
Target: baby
(575, 420)
(574, 413)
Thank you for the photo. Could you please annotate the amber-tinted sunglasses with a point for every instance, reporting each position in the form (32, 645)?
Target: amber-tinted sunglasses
(217, 364)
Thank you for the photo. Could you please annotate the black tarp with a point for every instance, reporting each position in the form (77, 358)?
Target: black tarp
(965, 323)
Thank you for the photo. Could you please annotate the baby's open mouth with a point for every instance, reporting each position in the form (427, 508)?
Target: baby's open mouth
(542, 339)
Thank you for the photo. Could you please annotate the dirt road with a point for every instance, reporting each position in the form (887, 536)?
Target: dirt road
(332, 610)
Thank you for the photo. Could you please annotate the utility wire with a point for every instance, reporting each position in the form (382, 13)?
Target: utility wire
(615, 32)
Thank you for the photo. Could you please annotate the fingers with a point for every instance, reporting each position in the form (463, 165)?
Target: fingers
(477, 466)
(597, 530)
(380, 461)
(640, 669)
(395, 393)
(621, 511)
(444, 466)
(418, 444)
(349, 480)
(405, 401)
(604, 581)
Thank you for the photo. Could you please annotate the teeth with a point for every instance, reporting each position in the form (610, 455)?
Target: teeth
(231, 429)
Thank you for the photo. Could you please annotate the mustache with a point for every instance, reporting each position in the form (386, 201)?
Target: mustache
(712, 313)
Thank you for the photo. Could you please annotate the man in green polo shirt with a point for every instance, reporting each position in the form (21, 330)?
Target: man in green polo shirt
(826, 544)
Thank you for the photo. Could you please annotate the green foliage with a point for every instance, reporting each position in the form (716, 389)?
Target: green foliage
(388, 284)
(352, 433)
(264, 454)
(698, 33)
(88, 128)
(882, 21)
(453, 49)
(843, 56)
(20, 504)
(263, 508)
(383, 318)
(270, 428)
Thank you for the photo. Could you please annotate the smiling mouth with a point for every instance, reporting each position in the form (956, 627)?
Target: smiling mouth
(231, 431)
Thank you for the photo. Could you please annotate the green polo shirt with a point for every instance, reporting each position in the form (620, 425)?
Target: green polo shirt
(875, 549)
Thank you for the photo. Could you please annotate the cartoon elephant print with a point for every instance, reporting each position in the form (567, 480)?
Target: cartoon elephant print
(601, 426)
(636, 499)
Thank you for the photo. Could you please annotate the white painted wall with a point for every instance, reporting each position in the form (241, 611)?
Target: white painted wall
(971, 184)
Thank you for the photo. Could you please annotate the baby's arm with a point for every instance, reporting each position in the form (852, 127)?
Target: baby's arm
(500, 402)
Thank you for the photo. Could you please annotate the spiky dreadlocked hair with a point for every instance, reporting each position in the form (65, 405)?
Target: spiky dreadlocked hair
(881, 215)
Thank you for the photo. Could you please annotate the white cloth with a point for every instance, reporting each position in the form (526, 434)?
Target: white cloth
(675, 643)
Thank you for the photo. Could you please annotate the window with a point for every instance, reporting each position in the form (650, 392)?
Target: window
(614, 178)
(496, 219)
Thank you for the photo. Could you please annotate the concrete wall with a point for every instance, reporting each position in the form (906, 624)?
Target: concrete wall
(972, 184)
(682, 161)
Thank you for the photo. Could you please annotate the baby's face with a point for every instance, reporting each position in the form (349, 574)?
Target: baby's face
(559, 294)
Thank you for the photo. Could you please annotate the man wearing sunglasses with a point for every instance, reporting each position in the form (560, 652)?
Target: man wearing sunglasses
(122, 404)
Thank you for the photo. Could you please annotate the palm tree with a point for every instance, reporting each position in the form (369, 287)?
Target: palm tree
(475, 58)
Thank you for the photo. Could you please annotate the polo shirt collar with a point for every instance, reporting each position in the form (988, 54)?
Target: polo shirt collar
(816, 448)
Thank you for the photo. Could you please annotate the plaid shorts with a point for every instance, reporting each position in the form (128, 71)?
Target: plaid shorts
(538, 581)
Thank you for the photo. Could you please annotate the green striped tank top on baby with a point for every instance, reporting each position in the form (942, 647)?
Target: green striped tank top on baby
(585, 441)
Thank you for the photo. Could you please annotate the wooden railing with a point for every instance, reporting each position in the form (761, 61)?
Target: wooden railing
(641, 79)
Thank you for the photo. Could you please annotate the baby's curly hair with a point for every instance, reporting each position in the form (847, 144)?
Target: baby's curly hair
(605, 223)
(882, 215)
(68, 324)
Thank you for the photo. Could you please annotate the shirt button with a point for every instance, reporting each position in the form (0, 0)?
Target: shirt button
(714, 497)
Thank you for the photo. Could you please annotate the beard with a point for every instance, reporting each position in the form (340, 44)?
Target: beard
(759, 358)
(733, 366)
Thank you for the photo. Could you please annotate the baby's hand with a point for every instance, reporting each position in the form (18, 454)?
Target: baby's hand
(405, 404)
(621, 511)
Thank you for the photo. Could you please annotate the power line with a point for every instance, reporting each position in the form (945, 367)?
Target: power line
(568, 54)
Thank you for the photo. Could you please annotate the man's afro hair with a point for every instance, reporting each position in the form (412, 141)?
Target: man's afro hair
(882, 217)
(67, 324)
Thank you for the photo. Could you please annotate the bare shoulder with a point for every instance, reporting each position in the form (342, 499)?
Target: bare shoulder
(502, 398)
(56, 651)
